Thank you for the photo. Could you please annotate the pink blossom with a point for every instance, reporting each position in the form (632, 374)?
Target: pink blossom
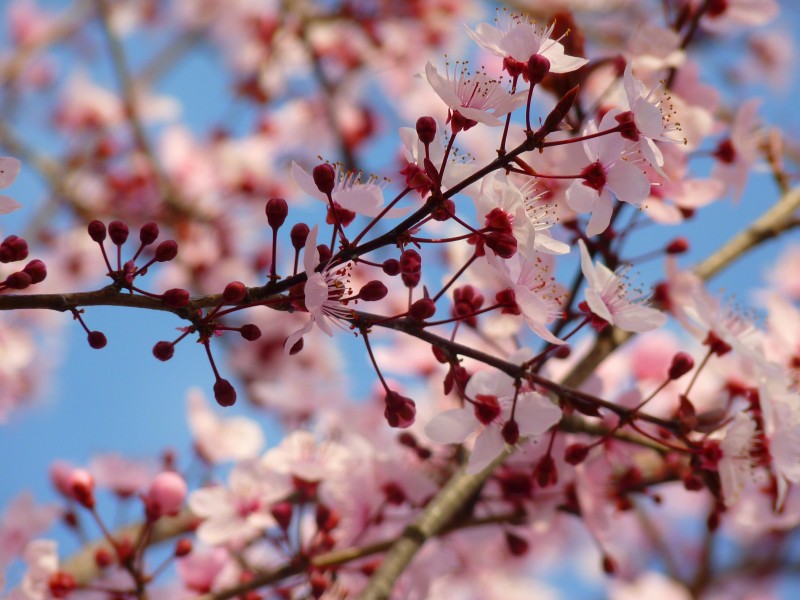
(301, 455)
(20, 523)
(477, 98)
(221, 439)
(122, 475)
(605, 172)
(9, 169)
(733, 14)
(41, 558)
(609, 298)
(519, 39)
(736, 465)
(322, 292)
(206, 569)
(533, 413)
(737, 153)
(166, 495)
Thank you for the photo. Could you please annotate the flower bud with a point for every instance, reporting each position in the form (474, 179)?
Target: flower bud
(97, 231)
(677, 246)
(545, 473)
(148, 233)
(19, 280)
(183, 547)
(324, 253)
(118, 232)
(538, 68)
(326, 518)
(503, 244)
(250, 332)
(176, 298)
(103, 558)
(400, 411)
(81, 487)
(410, 267)
(559, 112)
(234, 292)
(164, 350)
(97, 340)
(324, 178)
(165, 496)
(575, 454)
(682, 363)
(13, 248)
(166, 251)
(37, 270)
(224, 393)
(422, 309)
(276, 210)
(298, 235)
(373, 291)
(510, 432)
(391, 266)
(426, 129)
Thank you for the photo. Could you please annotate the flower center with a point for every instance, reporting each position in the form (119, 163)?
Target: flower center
(487, 408)
(594, 176)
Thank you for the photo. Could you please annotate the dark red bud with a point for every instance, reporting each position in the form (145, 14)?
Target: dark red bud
(426, 129)
(682, 363)
(13, 248)
(250, 332)
(148, 233)
(282, 511)
(103, 558)
(234, 292)
(97, 339)
(324, 253)
(61, 584)
(326, 518)
(164, 350)
(19, 280)
(183, 547)
(299, 234)
(559, 112)
(609, 565)
(517, 546)
(545, 473)
(538, 68)
(510, 432)
(562, 352)
(373, 291)
(503, 244)
(224, 393)
(678, 246)
(97, 231)
(400, 411)
(276, 210)
(118, 232)
(410, 267)
(298, 346)
(37, 270)
(575, 454)
(324, 178)
(176, 298)
(166, 251)
(391, 267)
(422, 309)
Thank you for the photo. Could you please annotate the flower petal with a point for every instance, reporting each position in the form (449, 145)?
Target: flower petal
(451, 426)
(488, 446)
(535, 413)
(9, 169)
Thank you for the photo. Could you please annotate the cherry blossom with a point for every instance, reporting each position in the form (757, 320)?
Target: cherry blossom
(609, 298)
(495, 402)
(221, 439)
(20, 523)
(607, 171)
(736, 465)
(737, 153)
(518, 39)
(9, 169)
(473, 98)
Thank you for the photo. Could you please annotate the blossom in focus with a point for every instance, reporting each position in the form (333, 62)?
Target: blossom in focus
(9, 169)
(609, 298)
(518, 39)
(323, 292)
(473, 99)
(492, 407)
(607, 171)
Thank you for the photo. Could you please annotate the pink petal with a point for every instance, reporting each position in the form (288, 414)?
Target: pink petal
(306, 182)
(488, 446)
(637, 319)
(451, 426)
(7, 205)
(601, 215)
(581, 198)
(628, 182)
(535, 414)
(597, 305)
(9, 169)
(294, 337)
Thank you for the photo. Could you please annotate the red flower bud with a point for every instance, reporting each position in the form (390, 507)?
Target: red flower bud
(97, 231)
(326, 518)
(103, 558)
(422, 309)
(677, 246)
(224, 393)
(410, 267)
(400, 411)
(37, 270)
(148, 233)
(559, 112)
(13, 248)
(276, 210)
(538, 68)
(164, 350)
(19, 280)
(575, 454)
(503, 244)
(166, 251)
(391, 267)
(183, 547)
(176, 298)
(97, 339)
(545, 473)
(81, 487)
(61, 584)
(324, 178)
(682, 363)
(234, 292)
(118, 232)
(426, 129)
(373, 291)
(250, 332)
(510, 432)
(299, 234)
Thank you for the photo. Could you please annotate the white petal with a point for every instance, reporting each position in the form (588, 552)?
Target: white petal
(310, 252)
(587, 266)
(637, 319)
(306, 182)
(597, 305)
(9, 169)
(488, 446)
(316, 293)
(442, 86)
(7, 205)
(581, 198)
(535, 414)
(294, 337)
(628, 182)
(601, 215)
(451, 426)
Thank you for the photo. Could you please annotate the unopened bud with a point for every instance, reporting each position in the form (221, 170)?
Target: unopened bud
(538, 68)
(250, 332)
(503, 244)
(118, 232)
(682, 363)
(234, 292)
(426, 129)
(422, 309)
(410, 267)
(677, 246)
(517, 546)
(391, 266)
(559, 112)
(400, 411)
(19, 280)
(148, 233)
(13, 248)
(183, 547)
(575, 454)
(166, 251)
(176, 298)
(276, 210)
(165, 496)
(373, 291)
(97, 231)
(299, 234)
(81, 487)
(224, 393)
(324, 178)
(37, 270)
(164, 350)
(282, 511)
(510, 432)
(97, 339)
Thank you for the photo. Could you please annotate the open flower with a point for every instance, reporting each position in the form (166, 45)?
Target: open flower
(491, 410)
(9, 169)
(606, 172)
(323, 292)
(609, 298)
(473, 99)
(518, 39)
(349, 192)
